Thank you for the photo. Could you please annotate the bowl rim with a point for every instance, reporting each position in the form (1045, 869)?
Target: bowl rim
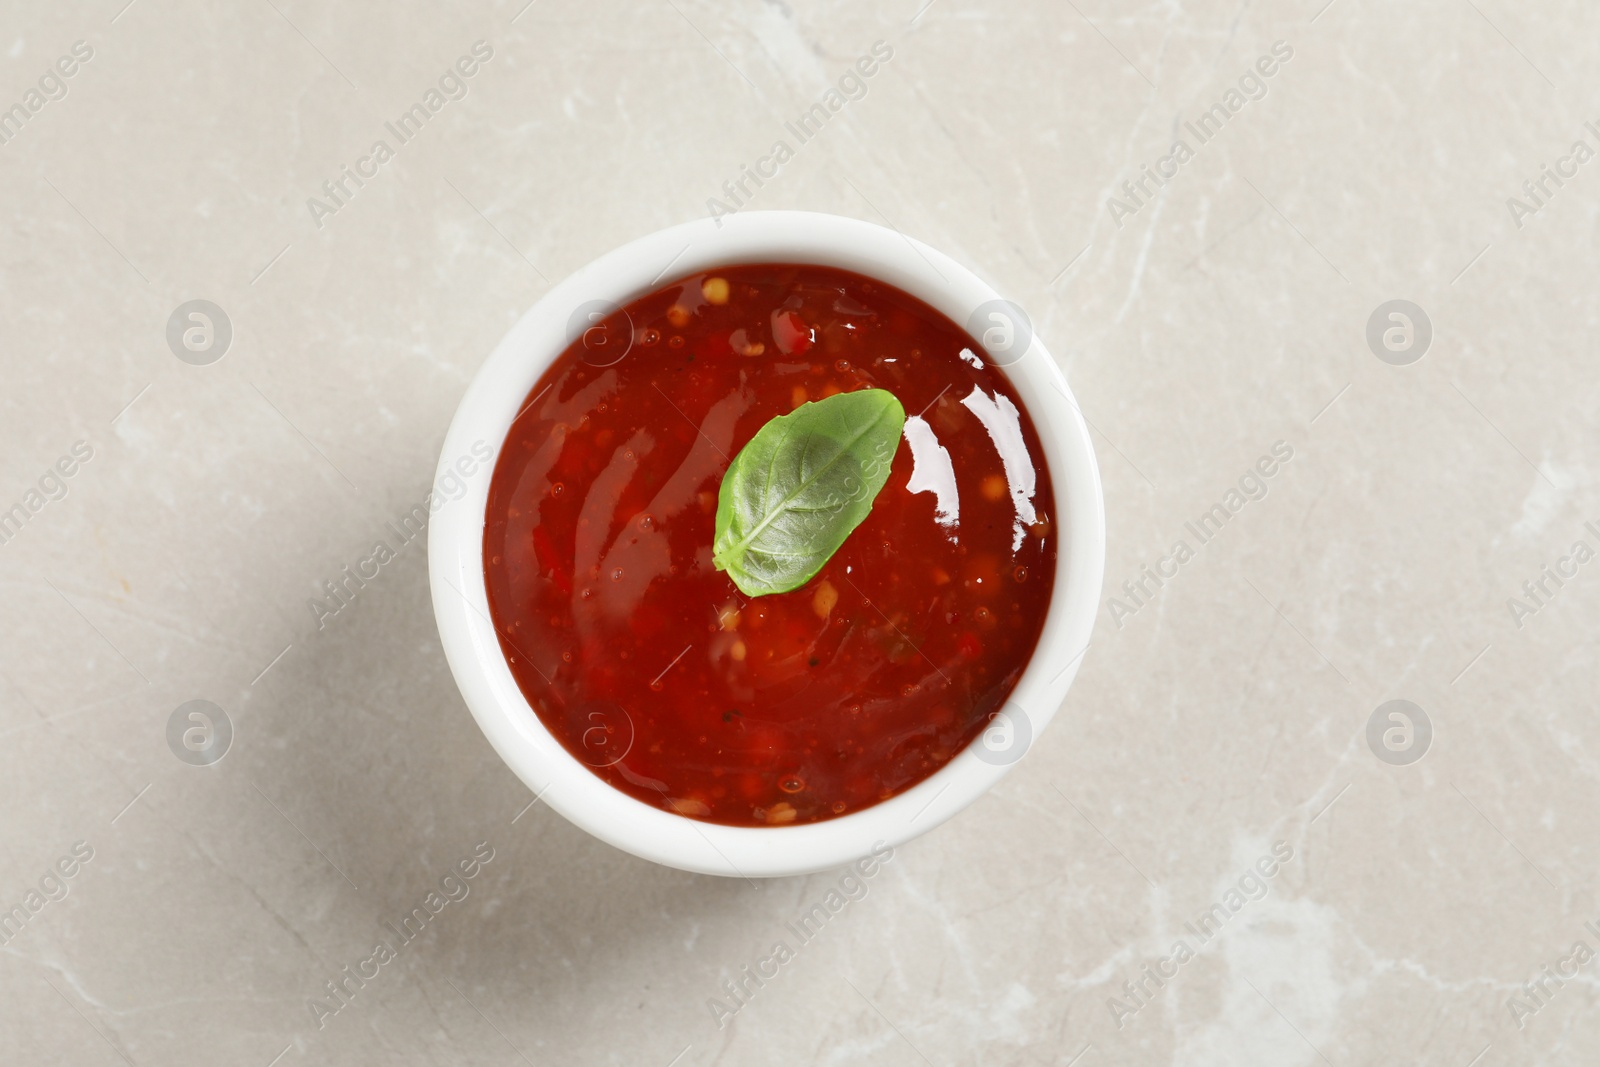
(490, 406)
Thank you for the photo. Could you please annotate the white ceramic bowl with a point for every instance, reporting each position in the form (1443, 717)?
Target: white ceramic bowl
(460, 601)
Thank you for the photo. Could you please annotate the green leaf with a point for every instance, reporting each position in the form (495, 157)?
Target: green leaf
(804, 481)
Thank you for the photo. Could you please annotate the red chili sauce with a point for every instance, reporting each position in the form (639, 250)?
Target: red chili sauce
(650, 666)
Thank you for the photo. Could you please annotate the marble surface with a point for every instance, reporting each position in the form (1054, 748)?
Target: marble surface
(1219, 715)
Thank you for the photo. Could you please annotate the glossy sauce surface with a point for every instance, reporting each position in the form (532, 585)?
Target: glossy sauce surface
(650, 666)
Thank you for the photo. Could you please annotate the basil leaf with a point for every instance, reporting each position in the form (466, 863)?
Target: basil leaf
(803, 482)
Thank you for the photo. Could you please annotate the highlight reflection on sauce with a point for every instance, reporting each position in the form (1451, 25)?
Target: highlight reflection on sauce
(649, 664)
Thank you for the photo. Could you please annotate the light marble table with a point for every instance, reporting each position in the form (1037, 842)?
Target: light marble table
(1203, 316)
